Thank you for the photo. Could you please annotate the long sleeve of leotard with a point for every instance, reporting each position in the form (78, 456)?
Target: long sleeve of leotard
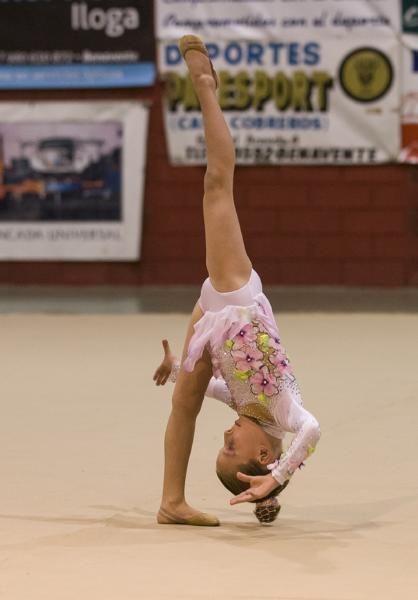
(216, 389)
(293, 417)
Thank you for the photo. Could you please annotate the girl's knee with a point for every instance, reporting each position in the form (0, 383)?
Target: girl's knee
(218, 178)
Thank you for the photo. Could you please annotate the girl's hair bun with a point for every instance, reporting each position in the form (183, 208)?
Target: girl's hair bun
(267, 510)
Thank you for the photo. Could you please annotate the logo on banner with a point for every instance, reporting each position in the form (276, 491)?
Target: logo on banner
(366, 74)
(113, 21)
(410, 16)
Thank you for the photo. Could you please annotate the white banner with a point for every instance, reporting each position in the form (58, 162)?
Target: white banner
(409, 112)
(275, 19)
(297, 102)
(71, 180)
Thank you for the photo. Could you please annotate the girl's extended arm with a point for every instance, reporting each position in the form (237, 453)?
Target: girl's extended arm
(293, 417)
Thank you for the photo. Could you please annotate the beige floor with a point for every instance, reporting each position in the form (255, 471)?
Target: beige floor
(81, 458)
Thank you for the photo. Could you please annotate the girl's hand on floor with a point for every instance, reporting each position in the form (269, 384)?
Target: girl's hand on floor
(163, 371)
(260, 487)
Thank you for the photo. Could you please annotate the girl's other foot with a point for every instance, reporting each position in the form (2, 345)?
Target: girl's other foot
(185, 515)
(198, 62)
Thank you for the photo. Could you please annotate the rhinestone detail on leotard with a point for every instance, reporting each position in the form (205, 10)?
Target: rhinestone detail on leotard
(256, 369)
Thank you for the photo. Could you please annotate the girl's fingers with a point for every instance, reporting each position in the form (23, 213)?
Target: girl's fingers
(243, 497)
(166, 346)
(161, 377)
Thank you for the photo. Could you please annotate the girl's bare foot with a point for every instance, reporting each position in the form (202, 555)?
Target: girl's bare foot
(185, 515)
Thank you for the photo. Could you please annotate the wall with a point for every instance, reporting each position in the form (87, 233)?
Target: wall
(303, 225)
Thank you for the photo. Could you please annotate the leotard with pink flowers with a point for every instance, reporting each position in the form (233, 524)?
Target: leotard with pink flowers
(252, 373)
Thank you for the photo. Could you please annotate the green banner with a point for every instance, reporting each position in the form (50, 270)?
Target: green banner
(410, 16)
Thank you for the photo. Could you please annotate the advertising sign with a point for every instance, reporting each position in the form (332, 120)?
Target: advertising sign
(409, 110)
(71, 180)
(76, 44)
(273, 19)
(317, 101)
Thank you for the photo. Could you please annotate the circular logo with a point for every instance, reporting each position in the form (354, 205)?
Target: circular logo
(366, 74)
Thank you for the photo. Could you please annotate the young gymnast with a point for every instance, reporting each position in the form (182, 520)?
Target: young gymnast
(232, 350)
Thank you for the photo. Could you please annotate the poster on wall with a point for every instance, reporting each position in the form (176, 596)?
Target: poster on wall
(322, 101)
(76, 44)
(71, 180)
(409, 105)
(273, 19)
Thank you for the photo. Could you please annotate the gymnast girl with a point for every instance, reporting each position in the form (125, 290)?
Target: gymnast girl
(232, 350)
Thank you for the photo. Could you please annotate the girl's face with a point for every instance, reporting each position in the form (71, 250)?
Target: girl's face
(243, 442)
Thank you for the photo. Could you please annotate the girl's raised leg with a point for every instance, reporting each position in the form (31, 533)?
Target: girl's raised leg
(226, 258)
(229, 268)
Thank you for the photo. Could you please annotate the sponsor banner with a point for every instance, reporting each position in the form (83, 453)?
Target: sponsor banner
(410, 16)
(76, 43)
(273, 19)
(71, 180)
(299, 102)
(409, 107)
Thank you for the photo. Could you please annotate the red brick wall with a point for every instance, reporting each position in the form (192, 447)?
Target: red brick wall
(302, 225)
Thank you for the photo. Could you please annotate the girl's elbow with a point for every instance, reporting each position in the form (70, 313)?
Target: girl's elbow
(315, 430)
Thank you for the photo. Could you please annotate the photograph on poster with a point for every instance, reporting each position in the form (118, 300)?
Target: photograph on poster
(60, 171)
(71, 180)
